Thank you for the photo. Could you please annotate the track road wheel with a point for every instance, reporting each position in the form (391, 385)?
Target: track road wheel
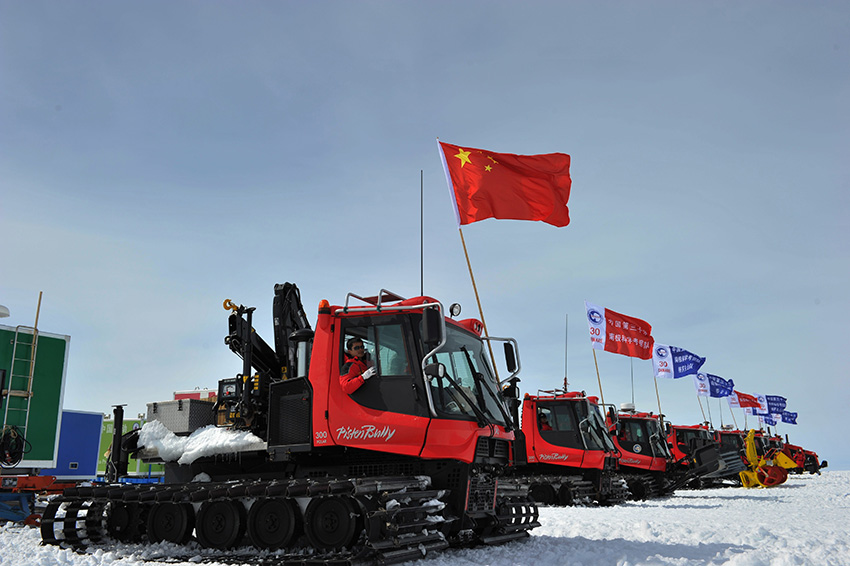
(123, 521)
(565, 496)
(220, 524)
(332, 522)
(171, 522)
(542, 493)
(638, 489)
(274, 523)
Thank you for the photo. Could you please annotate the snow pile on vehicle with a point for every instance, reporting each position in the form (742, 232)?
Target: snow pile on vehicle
(208, 441)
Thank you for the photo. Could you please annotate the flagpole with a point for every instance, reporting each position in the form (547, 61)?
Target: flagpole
(632, 372)
(708, 404)
(598, 378)
(480, 310)
(566, 345)
(700, 407)
(657, 395)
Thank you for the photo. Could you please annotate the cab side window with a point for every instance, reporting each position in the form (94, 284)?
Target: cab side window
(561, 429)
(389, 350)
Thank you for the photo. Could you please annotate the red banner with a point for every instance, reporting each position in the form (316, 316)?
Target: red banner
(618, 333)
(486, 184)
(745, 400)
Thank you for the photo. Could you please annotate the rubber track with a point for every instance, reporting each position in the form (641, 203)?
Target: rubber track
(402, 518)
(615, 493)
(648, 486)
(569, 490)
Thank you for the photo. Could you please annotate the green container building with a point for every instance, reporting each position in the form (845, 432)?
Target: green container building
(33, 366)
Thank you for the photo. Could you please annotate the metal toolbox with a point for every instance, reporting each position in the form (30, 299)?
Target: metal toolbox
(183, 416)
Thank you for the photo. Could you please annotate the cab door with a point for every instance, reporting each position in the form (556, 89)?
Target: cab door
(388, 413)
(633, 437)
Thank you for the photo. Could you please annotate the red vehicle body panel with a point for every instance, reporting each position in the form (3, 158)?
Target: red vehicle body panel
(338, 420)
(678, 452)
(629, 457)
(539, 451)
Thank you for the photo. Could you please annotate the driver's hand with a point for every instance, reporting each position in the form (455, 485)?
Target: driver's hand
(368, 373)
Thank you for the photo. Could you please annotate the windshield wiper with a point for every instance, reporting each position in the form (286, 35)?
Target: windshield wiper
(482, 419)
(654, 443)
(482, 385)
(593, 429)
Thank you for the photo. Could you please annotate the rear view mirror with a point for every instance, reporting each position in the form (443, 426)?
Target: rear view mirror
(510, 357)
(432, 328)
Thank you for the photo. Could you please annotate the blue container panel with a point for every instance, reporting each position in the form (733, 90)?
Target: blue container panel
(79, 442)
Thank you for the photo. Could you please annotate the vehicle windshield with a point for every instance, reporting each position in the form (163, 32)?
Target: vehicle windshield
(731, 440)
(657, 439)
(468, 381)
(593, 428)
(685, 435)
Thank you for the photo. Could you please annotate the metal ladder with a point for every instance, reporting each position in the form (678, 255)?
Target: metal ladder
(19, 382)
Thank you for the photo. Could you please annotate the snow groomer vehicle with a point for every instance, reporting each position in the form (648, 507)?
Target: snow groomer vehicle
(406, 465)
(565, 455)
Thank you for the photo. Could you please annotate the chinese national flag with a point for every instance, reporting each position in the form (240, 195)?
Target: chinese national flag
(502, 185)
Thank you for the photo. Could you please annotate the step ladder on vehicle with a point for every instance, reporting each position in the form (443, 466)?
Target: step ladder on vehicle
(20, 379)
(16, 390)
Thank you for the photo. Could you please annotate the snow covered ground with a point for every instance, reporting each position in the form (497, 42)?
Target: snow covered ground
(804, 521)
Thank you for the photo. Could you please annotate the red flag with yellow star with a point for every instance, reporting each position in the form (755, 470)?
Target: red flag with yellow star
(486, 184)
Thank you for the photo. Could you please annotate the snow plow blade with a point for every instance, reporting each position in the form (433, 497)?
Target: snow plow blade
(710, 461)
(718, 463)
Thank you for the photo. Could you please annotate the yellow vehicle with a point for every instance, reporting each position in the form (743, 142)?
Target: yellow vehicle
(767, 467)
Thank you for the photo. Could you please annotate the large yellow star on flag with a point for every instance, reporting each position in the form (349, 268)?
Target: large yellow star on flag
(463, 156)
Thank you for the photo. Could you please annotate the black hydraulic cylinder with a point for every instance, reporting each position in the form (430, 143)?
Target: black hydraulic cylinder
(246, 407)
(114, 469)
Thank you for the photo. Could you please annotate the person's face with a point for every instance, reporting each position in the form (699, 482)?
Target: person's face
(358, 350)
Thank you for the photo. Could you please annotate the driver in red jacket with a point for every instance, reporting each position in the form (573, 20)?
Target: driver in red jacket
(356, 368)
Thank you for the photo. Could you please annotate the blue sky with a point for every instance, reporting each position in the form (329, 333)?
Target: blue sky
(159, 157)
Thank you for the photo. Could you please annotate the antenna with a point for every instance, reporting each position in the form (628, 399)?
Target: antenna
(421, 232)
(566, 345)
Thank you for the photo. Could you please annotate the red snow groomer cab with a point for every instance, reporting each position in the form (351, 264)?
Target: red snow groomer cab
(401, 467)
(567, 456)
(649, 463)
(645, 458)
(681, 439)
